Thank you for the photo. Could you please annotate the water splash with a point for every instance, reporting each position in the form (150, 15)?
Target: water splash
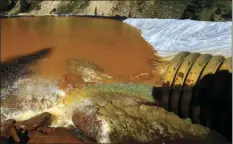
(31, 97)
(34, 96)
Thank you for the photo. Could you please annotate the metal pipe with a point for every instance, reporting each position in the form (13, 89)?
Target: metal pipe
(198, 86)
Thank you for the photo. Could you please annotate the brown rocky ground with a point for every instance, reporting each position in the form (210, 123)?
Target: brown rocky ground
(208, 10)
(37, 130)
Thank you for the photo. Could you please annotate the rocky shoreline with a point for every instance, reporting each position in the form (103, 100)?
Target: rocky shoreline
(116, 17)
(204, 10)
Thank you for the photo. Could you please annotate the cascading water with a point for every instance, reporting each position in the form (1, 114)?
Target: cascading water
(32, 96)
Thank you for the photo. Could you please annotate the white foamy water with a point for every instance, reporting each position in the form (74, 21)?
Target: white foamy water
(32, 97)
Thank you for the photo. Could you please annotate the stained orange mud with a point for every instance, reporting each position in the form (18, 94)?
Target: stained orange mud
(115, 46)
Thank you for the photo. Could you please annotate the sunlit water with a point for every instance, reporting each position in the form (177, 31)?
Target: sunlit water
(113, 45)
(116, 46)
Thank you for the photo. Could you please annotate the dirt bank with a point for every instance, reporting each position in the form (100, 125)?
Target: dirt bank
(209, 10)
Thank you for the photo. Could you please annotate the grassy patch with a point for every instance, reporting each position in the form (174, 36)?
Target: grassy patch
(166, 8)
(219, 7)
(207, 13)
(15, 10)
(35, 5)
(224, 5)
(204, 9)
(72, 6)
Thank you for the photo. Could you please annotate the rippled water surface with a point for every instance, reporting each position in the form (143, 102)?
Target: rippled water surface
(116, 46)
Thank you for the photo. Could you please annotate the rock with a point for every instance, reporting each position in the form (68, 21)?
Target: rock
(87, 123)
(53, 11)
(22, 137)
(120, 17)
(4, 4)
(58, 135)
(41, 120)
(24, 5)
(6, 127)
(119, 121)
(3, 140)
(10, 133)
(34, 130)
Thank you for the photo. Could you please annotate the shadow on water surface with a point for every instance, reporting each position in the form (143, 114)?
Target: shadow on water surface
(211, 102)
(114, 45)
(18, 67)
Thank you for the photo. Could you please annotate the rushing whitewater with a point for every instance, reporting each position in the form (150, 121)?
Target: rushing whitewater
(31, 97)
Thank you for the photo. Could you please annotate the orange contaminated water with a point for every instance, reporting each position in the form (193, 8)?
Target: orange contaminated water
(113, 45)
